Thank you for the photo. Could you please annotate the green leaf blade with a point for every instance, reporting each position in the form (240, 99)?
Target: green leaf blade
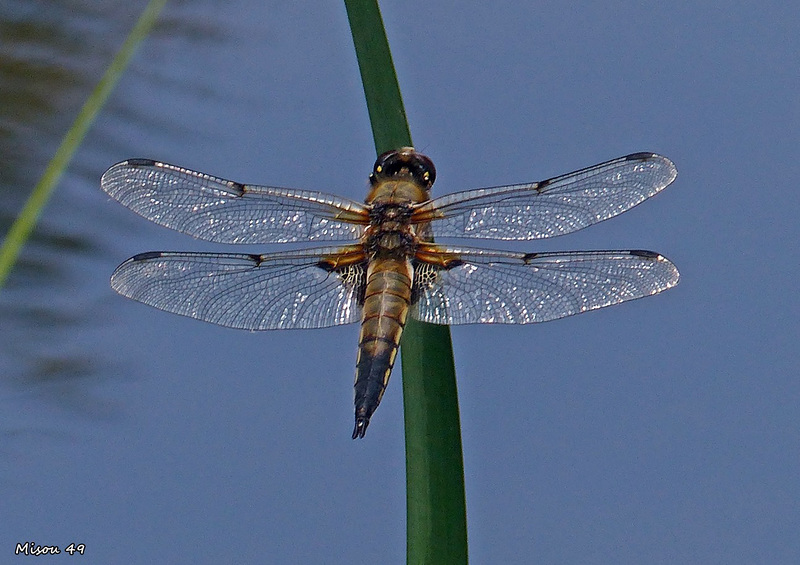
(24, 224)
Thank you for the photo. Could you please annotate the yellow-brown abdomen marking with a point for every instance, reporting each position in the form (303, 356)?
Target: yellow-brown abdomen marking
(386, 303)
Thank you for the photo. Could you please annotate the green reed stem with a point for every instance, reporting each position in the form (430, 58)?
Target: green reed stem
(436, 504)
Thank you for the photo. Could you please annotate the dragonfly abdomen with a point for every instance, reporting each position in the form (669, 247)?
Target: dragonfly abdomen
(386, 303)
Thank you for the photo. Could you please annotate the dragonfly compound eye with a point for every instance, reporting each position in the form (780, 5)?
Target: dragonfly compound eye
(425, 171)
(404, 162)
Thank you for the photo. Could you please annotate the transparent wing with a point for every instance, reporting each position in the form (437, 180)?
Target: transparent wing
(220, 210)
(255, 292)
(497, 287)
(552, 207)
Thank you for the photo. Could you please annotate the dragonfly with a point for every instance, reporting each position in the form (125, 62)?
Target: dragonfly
(386, 265)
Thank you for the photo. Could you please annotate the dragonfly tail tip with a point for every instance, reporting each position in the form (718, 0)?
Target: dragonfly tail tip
(361, 427)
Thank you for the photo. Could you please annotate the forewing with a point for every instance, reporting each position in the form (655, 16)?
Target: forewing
(552, 207)
(220, 210)
(497, 287)
(255, 292)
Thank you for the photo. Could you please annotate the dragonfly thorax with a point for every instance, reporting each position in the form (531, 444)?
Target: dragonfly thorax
(390, 231)
(390, 239)
(389, 212)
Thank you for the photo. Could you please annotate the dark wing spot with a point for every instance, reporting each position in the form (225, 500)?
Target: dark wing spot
(147, 255)
(641, 156)
(326, 265)
(528, 256)
(140, 162)
(645, 254)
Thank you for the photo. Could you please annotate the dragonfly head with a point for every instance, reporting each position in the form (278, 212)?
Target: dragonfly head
(404, 163)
